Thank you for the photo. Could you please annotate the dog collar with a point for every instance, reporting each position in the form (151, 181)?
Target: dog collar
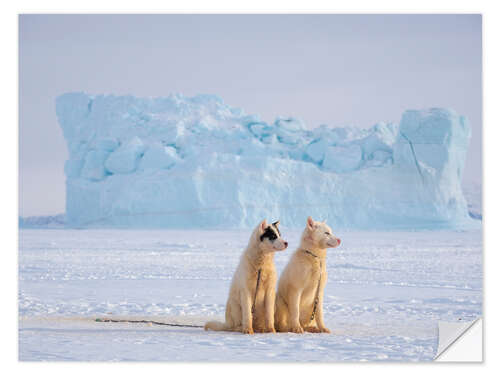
(308, 252)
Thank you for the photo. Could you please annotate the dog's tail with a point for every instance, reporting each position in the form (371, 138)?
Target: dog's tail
(217, 326)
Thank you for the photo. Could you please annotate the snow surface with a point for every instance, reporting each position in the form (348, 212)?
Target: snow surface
(180, 162)
(386, 292)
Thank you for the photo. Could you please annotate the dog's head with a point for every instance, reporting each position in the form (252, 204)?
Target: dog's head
(320, 235)
(269, 237)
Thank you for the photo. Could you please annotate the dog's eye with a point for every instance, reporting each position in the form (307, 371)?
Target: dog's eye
(269, 234)
(328, 233)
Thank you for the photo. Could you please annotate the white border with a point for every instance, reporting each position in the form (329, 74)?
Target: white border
(9, 196)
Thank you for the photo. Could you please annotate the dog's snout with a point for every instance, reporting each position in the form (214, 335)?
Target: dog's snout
(286, 244)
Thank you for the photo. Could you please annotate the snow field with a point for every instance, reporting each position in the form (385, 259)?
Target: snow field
(385, 293)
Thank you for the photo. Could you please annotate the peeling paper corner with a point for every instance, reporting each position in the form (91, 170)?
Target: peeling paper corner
(457, 342)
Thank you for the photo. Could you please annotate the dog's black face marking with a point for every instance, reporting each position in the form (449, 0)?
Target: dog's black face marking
(275, 224)
(270, 234)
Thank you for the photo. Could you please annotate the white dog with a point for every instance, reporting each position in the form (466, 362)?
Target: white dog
(251, 301)
(299, 302)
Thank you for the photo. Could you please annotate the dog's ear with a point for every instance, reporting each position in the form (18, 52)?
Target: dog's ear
(310, 223)
(262, 226)
(276, 223)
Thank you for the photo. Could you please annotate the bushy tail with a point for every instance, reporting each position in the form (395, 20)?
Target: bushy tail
(217, 326)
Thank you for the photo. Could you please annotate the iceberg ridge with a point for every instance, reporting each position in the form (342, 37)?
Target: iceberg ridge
(181, 162)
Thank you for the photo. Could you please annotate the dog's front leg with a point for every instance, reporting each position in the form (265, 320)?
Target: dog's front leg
(269, 302)
(294, 306)
(246, 312)
(319, 315)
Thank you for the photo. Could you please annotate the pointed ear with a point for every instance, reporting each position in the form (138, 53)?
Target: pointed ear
(262, 226)
(276, 223)
(310, 223)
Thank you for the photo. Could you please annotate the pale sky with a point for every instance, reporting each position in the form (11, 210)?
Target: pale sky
(325, 69)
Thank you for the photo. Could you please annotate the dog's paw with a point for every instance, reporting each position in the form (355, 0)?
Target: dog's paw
(269, 330)
(247, 331)
(312, 329)
(297, 329)
(324, 330)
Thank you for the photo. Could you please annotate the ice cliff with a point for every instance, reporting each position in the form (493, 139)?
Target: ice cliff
(181, 162)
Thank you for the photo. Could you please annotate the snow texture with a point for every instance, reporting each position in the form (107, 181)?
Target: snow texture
(180, 162)
(384, 297)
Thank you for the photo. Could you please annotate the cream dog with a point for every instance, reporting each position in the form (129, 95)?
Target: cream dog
(251, 301)
(299, 302)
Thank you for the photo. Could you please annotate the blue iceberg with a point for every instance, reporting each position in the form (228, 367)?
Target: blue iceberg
(195, 162)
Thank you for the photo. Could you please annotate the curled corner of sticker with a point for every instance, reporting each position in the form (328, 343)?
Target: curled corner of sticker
(460, 341)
